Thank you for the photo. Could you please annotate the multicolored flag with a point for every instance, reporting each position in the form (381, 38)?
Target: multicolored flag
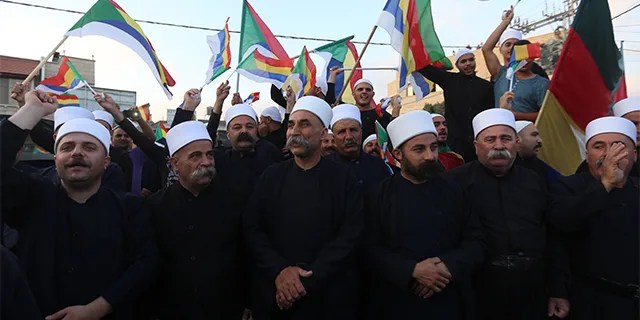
(582, 86)
(262, 57)
(144, 111)
(221, 59)
(253, 97)
(303, 75)
(410, 26)
(260, 68)
(67, 79)
(161, 131)
(106, 18)
(342, 54)
(255, 35)
(383, 143)
(66, 100)
(519, 56)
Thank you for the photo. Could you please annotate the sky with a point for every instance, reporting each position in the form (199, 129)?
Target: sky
(30, 32)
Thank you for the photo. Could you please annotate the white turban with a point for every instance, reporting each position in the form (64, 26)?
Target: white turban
(65, 114)
(611, 125)
(86, 126)
(345, 111)
(461, 52)
(492, 117)
(184, 133)
(240, 110)
(625, 106)
(510, 34)
(316, 106)
(409, 125)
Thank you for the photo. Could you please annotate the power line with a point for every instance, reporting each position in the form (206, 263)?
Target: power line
(626, 11)
(168, 24)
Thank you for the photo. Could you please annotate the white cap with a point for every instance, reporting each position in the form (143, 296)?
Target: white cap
(363, 80)
(521, 124)
(492, 117)
(410, 125)
(185, 133)
(625, 106)
(510, 34)
(65, 114)
(370, 138)
(87, 126)
(316, 106)
(611, 125)
(104, 116)
(240, 110)
(461, 52)
(433, 115)
(273, 113)
(345, 111)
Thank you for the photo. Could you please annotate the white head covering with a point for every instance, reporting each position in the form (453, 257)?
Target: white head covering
(611, 125)
(87, 126)
(345, 111)
(272, 112)
(329, 132)
(510, 34)
(240, 110)
(65, 114)
(492, 117)
(363, 80)
(625, 106)
(370, 138)
(316, 106)
(185, 133)
(521, 124)
(433, 115)
(461, 52)
(104, 116)
(410, 125)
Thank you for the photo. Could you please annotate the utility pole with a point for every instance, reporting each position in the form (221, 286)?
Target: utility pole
(565, 16)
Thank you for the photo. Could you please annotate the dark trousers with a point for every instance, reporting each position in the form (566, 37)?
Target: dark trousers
(510, 294)
(592, 303)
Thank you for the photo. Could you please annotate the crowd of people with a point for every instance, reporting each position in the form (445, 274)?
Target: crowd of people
(305, 217)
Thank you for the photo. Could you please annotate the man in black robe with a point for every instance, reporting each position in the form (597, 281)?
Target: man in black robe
(302, 226)
(248, 157)
(271, 127)
(420, 256)
(599, 210)
(465, 95)
(528, 146)
(199, 235)
(347, 132)
(511, 202)
(369, 114)
(87, 251)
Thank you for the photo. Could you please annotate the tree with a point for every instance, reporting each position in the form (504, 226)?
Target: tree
(434, 108)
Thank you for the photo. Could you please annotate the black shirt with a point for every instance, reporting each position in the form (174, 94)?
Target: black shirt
(311, 218)
(464, 97)
(200, 242)
(402, 232)
(511, 208)
(369, 170)
(73, 253)
(369, 119)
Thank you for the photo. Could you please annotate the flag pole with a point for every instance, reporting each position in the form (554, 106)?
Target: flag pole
(373, 68)
(90, 88)
(238, 83)
(348, 81)
(42, 62)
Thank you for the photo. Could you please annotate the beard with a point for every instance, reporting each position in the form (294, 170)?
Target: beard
(202, 172)
(422, 171)
(299, 141)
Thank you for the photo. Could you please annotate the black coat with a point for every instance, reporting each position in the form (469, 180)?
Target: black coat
(310, 218)
(464, 97)
(203, 259)
(604, 241)
(402, 232)
(369, 170)
(73, 253)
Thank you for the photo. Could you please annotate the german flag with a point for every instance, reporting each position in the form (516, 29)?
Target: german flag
(582, 88)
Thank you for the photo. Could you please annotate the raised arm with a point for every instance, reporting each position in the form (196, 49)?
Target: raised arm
(155, 152)
(490, 58)
(222, 92)
(277, 97)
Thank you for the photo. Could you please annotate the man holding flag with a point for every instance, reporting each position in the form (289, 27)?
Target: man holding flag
(465, 95)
